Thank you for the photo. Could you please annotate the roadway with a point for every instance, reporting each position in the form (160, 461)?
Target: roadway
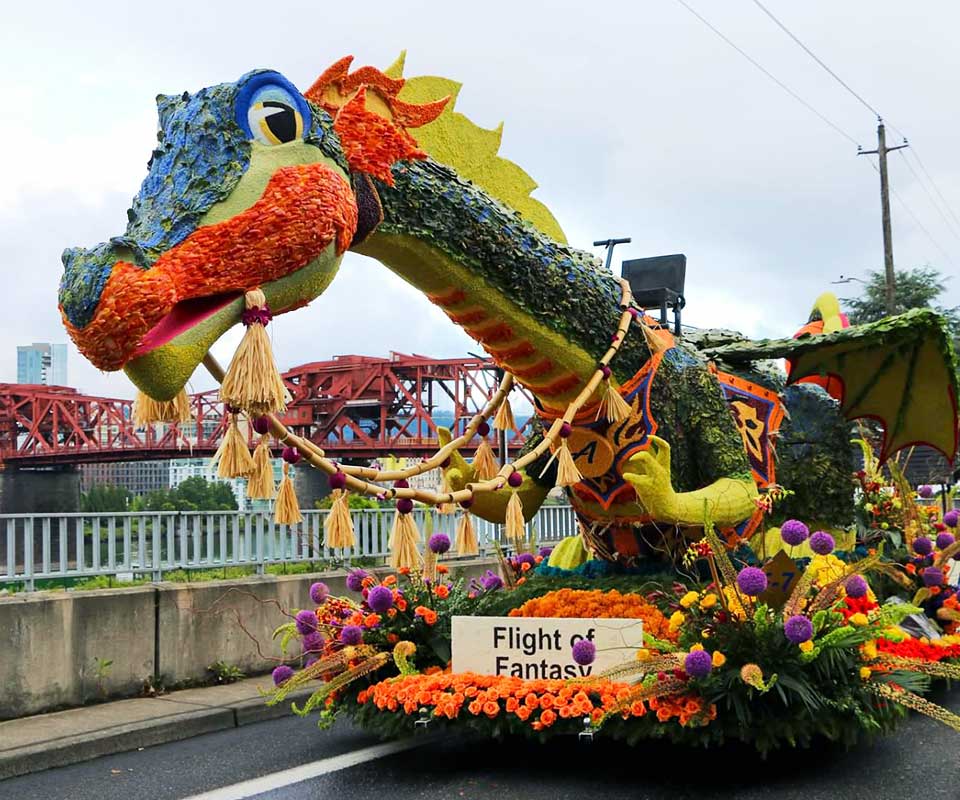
(290, 759)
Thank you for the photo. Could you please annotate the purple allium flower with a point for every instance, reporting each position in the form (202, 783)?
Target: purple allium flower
(313, 642)
(798, 629)
(925, 491)
(439, 543)
(944, 540)
(490, 581)
(856, 587)
(309, 661)
(306, 621)
(923, 546)
(752, 581)
(319, 592)
(584, 652)
(794, 532)
(351, 634)
(822, 543)
(951, 517)
(546, 551)
(526, 558)
(380, 599)
(282, 674)
(932, 576)
(698, 663)
(355, 579)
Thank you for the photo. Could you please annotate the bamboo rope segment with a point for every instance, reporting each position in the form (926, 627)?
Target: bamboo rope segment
(359, 479)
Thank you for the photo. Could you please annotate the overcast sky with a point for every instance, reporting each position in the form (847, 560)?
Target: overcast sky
(634, 118)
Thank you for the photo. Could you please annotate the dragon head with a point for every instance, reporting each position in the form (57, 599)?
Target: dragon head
(252, 184)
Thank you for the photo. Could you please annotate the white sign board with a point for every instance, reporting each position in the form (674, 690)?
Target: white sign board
(541, 648)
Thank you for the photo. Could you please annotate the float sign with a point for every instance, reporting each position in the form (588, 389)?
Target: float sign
(541, 648)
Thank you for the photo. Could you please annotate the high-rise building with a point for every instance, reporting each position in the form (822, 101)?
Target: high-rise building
(42, 362)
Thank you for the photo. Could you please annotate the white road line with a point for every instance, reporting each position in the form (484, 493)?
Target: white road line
(287, 777)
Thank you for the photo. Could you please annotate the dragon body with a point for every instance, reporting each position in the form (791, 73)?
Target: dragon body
(254, 184)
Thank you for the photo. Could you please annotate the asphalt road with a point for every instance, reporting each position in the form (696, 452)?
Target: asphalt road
(922, 762)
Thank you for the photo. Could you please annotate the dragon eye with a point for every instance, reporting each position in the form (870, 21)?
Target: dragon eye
(273, 111)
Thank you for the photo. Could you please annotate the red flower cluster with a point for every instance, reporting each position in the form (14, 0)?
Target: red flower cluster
(914, 648)
(857, 605)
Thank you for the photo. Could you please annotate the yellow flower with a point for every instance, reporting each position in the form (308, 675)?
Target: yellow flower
(859, 619)
(709, 601)
(870, 650)
(806, 647)
(865, 672)
(704, 634)
(719, 659)
(643, 654)
(696, 647)
(689, 599)
(676, 620)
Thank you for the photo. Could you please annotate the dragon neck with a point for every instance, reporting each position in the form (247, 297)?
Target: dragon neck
(541, 310)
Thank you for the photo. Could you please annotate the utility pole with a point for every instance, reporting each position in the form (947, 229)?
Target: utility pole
(881, 151)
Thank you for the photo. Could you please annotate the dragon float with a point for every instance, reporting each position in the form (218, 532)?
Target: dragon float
(256, 190)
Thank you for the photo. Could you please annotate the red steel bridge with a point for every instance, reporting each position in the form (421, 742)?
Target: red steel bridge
(354, 407)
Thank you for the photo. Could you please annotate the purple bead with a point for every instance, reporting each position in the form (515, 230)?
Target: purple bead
(951, 517)
(932, 576)
(944, 540)
(380, 599)
(822, 543)
(401, 484)
(698, 664)
(565, 430)
(483, 429)
(319, 592)
(291, 455)
(606, 371)
(923, 546)
(794, 532)
(282, 674)
(338, 480)
(439, 543)
(798, 629)
(306, 621)
(856, 587)
(584, 652)
(752, 581)
(466, 503)
(261, 424)
(515, 479)
(925, 491)
(404, 505)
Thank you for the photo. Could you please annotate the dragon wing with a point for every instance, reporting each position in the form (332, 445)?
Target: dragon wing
(901, 371)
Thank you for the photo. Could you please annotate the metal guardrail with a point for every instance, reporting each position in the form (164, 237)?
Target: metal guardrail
(39, 547)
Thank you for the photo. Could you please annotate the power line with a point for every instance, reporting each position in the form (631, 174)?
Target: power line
(932, 199)
(813, 55)
(934, 185)
(913, 216)
(769, 74)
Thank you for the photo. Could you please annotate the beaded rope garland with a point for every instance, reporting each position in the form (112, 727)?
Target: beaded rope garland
(359, 479)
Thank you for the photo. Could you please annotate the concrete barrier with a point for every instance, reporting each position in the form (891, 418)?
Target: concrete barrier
(166, 634)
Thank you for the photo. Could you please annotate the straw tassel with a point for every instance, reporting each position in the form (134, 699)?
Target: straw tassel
(445, 508)
(567, 472)
(147, 411)
(484, 462)
(338, 527)
(252, 382)
(503, 421)
(430, 566)
(404, 537)
(613, 407)
(467, 544)
(287, 510)
(260, 485)
(514, 524)
(232, 458)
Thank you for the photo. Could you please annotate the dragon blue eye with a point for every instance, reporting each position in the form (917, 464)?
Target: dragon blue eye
(271, 110)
